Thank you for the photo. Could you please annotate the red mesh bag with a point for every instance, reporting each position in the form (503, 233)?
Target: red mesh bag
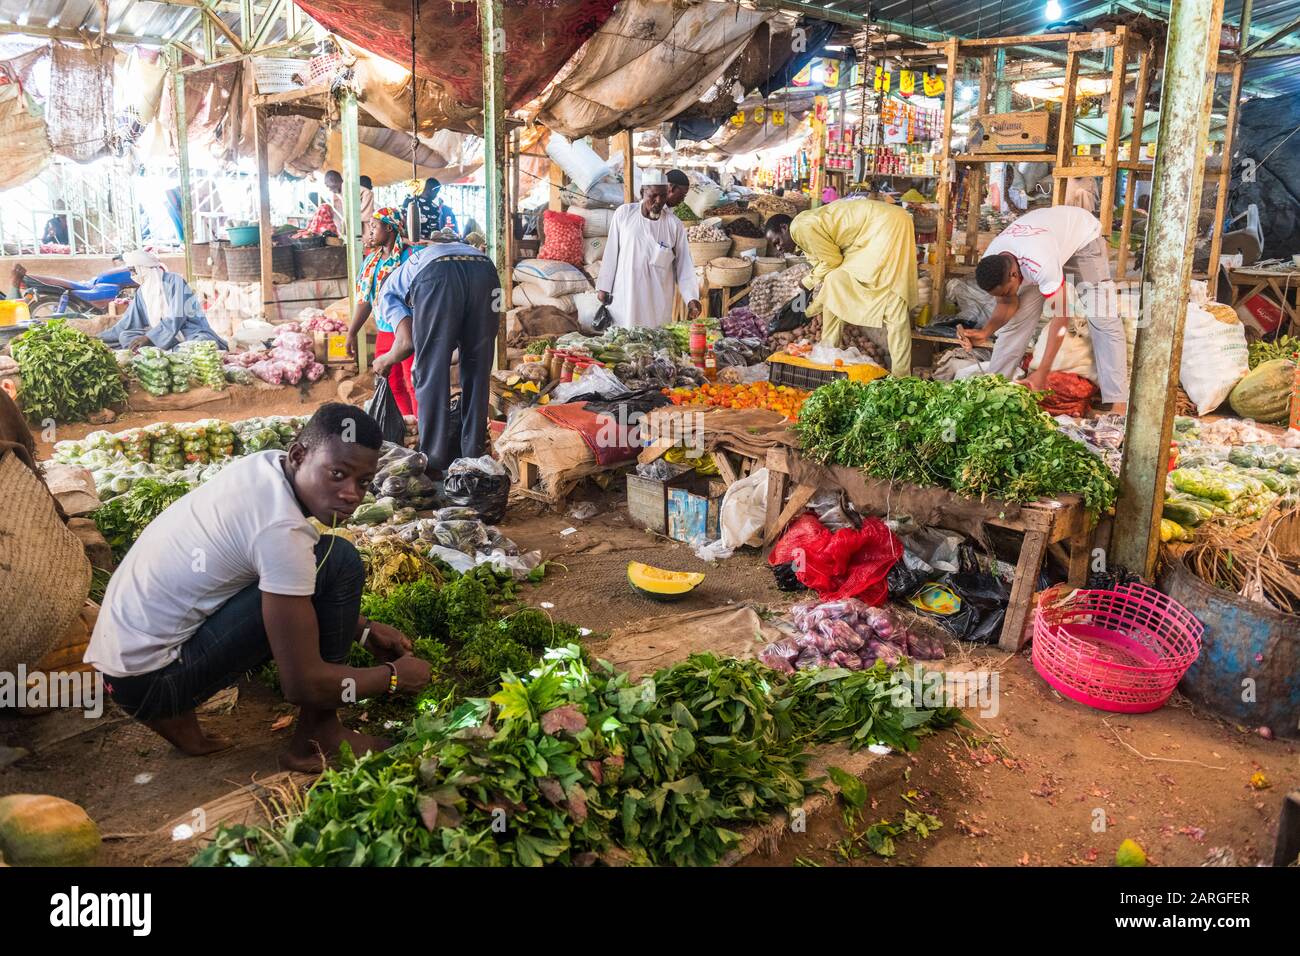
(563, 242)
(840, 564)
(1067, 394)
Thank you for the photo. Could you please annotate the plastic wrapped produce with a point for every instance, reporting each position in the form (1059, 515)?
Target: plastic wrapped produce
(842, 634)
(182, 370)
(152, 370)
(205, 359)
(883, 651)
(479, 483)
(809, 658)
(464, 536)
(780, 656)
(1212, 485)
(846, 660)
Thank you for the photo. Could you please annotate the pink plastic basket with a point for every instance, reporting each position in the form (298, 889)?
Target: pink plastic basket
(1123, 650)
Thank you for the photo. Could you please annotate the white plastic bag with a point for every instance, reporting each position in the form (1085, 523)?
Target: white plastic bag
(458, 560)
(1074, 355)
(703, 198)
(578, 160)
(1215, 358)
(587, 304)
(743, 514)
(594, 379)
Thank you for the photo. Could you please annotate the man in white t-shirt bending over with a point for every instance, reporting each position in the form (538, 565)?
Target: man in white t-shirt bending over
(234, 574)
(1023, 268)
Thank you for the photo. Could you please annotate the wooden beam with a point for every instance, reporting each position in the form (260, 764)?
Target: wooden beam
(556, 174)
(245, 24)
(1115, 120)
(947, 175)
(1065, 128)
(495, 107)
(183, 162)
(1134, 155)
(210, 17)
(1287, 30)
(80, 36)
(268, 23)
(1166, 276)
(264, 207)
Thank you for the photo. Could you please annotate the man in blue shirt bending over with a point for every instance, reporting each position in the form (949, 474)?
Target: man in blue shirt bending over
(447, 296)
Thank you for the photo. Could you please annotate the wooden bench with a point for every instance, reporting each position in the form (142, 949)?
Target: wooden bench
(1044, 524)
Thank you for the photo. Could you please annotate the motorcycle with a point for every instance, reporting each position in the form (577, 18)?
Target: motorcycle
(48, 297)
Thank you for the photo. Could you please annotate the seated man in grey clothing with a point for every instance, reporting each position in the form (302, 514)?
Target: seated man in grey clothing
(164, 312)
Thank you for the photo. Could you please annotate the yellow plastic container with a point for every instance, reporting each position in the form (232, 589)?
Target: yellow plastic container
(13, 311)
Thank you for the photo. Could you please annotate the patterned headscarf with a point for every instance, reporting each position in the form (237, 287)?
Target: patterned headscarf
(391, 216)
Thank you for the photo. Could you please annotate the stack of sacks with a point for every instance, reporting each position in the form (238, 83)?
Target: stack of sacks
(548, 282)
(595, 233)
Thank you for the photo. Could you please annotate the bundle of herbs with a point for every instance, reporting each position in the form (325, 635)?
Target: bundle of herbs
(576, 764)
(982, 437)
(123, 519)
(66, 374)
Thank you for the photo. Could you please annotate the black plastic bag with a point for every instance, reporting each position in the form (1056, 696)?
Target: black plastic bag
(788, 319)
(382, 407)
(786, 579)
(903, 581)
(473, 483)
(602, 319)
(984, 600)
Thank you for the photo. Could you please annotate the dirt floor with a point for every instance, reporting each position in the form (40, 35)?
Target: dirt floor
(1044, 781)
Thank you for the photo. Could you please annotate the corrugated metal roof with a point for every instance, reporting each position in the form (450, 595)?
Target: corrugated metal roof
(139, 18)
(1270, 77)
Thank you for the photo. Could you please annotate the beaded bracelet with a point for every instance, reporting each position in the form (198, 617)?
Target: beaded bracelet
(392, 677)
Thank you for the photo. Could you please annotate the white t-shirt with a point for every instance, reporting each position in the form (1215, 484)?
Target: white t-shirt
(243, 527)
(1044, 240)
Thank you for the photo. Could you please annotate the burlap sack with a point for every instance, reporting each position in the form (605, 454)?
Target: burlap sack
(44, 573)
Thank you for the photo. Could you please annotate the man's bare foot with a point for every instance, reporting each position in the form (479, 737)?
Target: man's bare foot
(317, 739)
(184, 733)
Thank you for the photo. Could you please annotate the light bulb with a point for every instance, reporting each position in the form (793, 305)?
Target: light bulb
(1053, 10)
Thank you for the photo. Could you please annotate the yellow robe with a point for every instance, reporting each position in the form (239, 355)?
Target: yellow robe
(863, 254)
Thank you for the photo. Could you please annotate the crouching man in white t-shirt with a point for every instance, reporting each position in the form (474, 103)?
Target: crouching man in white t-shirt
(1023, 268)
(233, 575)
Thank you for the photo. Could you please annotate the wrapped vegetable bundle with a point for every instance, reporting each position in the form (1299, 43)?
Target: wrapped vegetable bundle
(182, 370)
(220, 437)
(401, 477)
(206, 362)
(1221, 485)
(742, 323)
(152, 370)
(850, 634)
(194, 443)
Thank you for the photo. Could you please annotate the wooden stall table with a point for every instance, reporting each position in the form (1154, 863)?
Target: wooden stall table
(1283, 286)
(1043, 524)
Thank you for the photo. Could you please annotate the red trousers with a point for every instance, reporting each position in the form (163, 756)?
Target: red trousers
(399, 377)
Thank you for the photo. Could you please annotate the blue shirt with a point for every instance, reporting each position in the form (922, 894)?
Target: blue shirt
(393, 306)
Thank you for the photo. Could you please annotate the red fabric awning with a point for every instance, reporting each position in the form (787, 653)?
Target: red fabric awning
(540, 35)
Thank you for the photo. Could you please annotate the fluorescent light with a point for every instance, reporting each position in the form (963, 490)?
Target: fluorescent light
(1053, 10)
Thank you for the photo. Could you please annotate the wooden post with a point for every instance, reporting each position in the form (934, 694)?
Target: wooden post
(976, 176)
(1134, 155)
(183, 161)
(1065, 128)
(263, 208)
(492, 26)
(353, 225)
(1115, 117)
(512, 204)
(943, 193)
(629, 166)
(557, 183)
(1229, 136)
(1166, 275)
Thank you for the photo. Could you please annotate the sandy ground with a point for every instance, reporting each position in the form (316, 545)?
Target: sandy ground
(1044, 781)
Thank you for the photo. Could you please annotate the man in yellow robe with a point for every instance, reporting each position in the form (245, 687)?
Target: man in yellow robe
(863, 257)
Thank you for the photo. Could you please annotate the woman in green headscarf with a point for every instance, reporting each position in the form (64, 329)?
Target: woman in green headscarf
(388, 251)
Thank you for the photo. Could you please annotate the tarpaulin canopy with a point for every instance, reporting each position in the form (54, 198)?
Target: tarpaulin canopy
(652, 60)
(540, 36)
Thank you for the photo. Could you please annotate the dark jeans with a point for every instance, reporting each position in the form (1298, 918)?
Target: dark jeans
(453, 305)
(233, 640)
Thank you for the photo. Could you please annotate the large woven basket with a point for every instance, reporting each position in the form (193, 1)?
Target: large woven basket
(741, 244)
(44, 572)
(702, 253)
(764, 265)
(244, 263)
(202, 259)
(729, 272)
(325, 262)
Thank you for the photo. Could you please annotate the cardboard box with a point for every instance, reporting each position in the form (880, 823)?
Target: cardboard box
(1028, 132)
(686, 508)
(330, 347)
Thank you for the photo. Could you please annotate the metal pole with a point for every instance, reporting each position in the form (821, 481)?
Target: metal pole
(1191, 55)
(183, 161)
(352, 202)
(492, 27)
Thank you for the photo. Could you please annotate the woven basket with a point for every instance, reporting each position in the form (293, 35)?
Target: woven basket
(217, 253)
(44, 574)
(244, 263)
(729, 272)
(325, 262)
(702, 253)
(741, 244)
(765, 265)
(201, 253)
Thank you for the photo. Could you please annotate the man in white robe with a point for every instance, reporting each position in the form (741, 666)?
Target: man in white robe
(646, 255)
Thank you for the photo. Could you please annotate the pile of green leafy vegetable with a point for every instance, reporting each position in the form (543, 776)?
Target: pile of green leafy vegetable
(982, 437)
(1283, 347)
(66, 374)
(122, 520)
(578, 764)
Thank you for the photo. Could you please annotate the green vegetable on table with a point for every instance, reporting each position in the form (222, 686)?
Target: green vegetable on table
(123, 519)
(66, 374)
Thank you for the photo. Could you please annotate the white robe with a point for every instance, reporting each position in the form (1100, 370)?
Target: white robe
(643, 260)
